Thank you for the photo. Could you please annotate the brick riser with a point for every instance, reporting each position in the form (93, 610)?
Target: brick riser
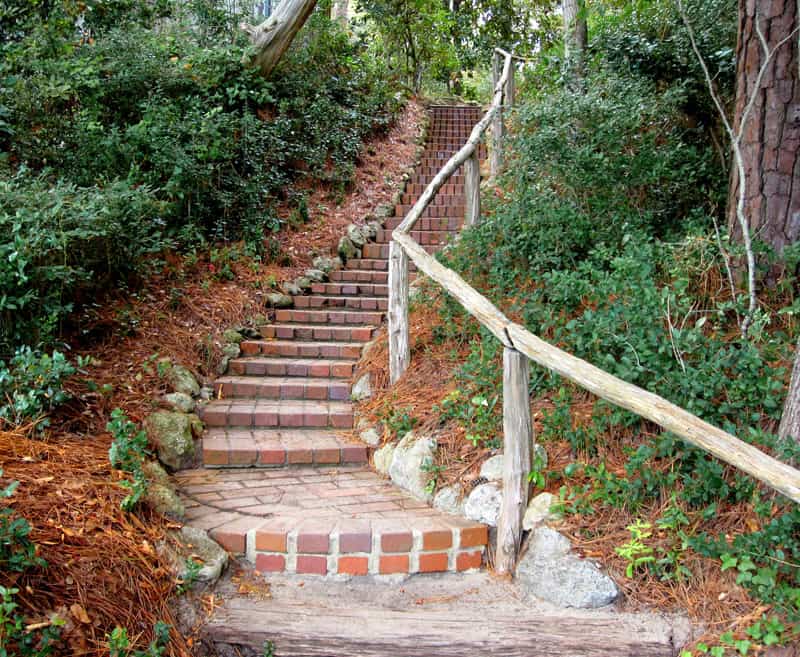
(280, 483)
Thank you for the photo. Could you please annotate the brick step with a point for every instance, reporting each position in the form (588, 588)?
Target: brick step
(276, 387)
(438, 200)
(344, 317)
(299, 367)
(348, 289)
(442, 150)
(311, 332)
(299, 349)
(423, 178)
(431, 169)
(302, 413)
(357, 276)
(276, 448)
(417, 189)
(433, 210)
(382, 251)
(424, 237)
(450, 224)
(376, 264)
(362, 303)
(326, 521)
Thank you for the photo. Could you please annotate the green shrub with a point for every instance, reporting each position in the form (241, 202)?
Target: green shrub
(62, 244)
(127, 453)
(31, 386)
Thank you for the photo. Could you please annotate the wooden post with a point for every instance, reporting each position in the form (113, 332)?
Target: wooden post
(510, 90)
(517, 439)
(399, 353)
(472, 189)
(496, 162)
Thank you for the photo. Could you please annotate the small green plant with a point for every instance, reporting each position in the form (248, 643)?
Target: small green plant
(16, 638)
(268, 650)
(31, 386)
(398, 420)
(17, 551)
(127, 453)
(635, 551)
(434, 473)
(192, 569)
(119, 643)
(537, 474)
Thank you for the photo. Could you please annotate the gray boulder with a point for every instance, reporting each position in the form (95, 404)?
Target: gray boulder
(361, 389)
(347, 250)
(164, 500)
(483, 504)
(384, 211)
(550, 571)
(450, 500)
(291, 289)
(372, 229)
(539, 511)
(371, 436)
(180, 402)
(492, 468)
(316, 275)
(232, 336)
(382, 458)
(231, 350)
(326, 264)
(357, 235)
(411, 454)
(278, 300)
(182, 380)
(172, 434)
(198, 544)
(303, 283)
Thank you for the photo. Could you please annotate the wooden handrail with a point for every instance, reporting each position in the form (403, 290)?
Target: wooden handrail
(517, 340)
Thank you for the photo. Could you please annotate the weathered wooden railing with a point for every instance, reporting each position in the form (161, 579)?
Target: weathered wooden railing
(520, 345)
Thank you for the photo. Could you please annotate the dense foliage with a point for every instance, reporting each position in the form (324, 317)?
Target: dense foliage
(129, 128)
(603, 241)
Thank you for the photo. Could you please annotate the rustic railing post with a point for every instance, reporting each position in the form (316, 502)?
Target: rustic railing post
(472, 189)
(498, 129)
(510, 90)
(399, 353)
(517, 439)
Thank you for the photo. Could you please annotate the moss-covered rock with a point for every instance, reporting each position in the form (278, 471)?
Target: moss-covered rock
(172, 433)
(182, 380)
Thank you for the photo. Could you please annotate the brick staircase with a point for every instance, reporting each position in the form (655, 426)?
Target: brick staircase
(279, 483)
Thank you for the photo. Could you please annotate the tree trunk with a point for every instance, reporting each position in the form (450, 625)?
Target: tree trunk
(770, 141)
(274, 36)
(340, 10)
(790, 420)
(576, 36)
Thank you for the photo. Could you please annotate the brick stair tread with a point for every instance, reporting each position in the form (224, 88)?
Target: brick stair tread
(337, 334)
(277, 448)
(338, 317)
(277, 413)
(303, 348)
(282, 387)
(272, 366)
(326, 513)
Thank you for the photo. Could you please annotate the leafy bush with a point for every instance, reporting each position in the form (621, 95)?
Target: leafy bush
(127, 453)
(31, 386)
(149, 134)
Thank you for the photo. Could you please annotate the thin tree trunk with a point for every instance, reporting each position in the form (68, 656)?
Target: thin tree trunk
(576, 36)
(274, 36)
(770, 145)
(340, 10)
(790, 420)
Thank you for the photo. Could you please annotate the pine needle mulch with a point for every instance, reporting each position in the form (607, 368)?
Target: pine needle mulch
(105, 566)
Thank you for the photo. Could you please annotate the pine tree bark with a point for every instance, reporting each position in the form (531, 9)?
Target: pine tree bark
(273, 37)
(770, 144)
(790, 420)
(576, 35)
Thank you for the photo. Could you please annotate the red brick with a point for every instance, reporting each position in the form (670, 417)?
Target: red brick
(243, 456)
(437, 539)
(474, 536)
(271, 541)
(435, 562)
(396, 563)
(312, 565)
(468, 560)
(354, 454)
(314, 542)
(272, 456)
(343, 370)
(327, 456)
(295, 455)
(353, 565)
(250, 348)
(396, 541)
(270, 563)
(355, 542)
(232, 541)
